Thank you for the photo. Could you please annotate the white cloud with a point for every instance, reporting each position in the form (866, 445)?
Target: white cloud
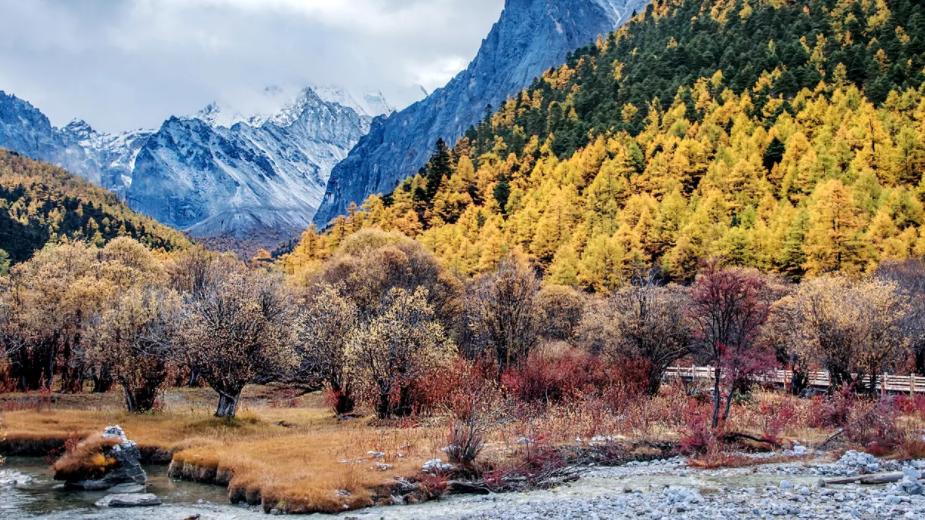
(129, 63)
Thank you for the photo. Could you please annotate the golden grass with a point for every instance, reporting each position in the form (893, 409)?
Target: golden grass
(299, 459)
(86, 459)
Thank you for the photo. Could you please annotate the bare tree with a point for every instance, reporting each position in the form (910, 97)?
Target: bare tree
(729, 308)
(560, 308)
(238, 331)
(136, 339)
(371, 262)
(909, 278)
(325, 321)
(651, 325)
(855, 328)
(784, 333)
(401, 343)
(503, 312)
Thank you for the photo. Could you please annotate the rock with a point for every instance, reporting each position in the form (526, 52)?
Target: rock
(129, 500)
(799, 450)
(786, 484)
(910, 483)
(126, 468)
(435, 466)
(383, 467)
(376, 454)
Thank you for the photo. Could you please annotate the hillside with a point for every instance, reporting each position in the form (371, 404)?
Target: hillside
(788, 136)
(529, 37)
(41, 203)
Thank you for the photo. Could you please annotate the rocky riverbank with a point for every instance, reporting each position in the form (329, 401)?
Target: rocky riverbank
(672, 489)
(667, 488)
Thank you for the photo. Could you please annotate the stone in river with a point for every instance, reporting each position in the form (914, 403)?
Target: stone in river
(129, 500)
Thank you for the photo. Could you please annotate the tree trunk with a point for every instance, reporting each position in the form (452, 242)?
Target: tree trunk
(102, 381)
(227, 404)
(140, 400)
(728, 403)
(405, 406)
(383, 406)
(798, 382)
(838, 378)
(920, 361)
(717, 374)
(33, 368)
(874, 381)
(654, 382)
(344, 402)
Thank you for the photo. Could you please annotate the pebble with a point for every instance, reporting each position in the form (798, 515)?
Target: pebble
(638, 491)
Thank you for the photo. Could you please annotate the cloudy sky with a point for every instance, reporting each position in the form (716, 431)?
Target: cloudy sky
(124, 64)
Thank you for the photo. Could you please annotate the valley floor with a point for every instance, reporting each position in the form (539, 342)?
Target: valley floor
(671, 489)
(286, 452)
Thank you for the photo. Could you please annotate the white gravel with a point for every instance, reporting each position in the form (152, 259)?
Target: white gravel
(672, 489)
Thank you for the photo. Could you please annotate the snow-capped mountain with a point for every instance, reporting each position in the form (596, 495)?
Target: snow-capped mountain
(219, 173)
(531, 36)
(264, 175)
(112, 155)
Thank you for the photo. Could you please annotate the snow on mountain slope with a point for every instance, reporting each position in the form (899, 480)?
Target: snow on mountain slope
(252, 177)
(221, 173)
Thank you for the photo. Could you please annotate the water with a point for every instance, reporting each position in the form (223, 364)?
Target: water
(27, 492)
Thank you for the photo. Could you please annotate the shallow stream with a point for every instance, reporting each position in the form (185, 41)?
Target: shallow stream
(27, 491)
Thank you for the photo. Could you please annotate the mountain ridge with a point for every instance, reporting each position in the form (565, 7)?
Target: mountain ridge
(529, 37)
(213, 174)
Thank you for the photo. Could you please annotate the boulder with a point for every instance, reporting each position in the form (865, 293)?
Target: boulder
(129, 500)
(101, 462)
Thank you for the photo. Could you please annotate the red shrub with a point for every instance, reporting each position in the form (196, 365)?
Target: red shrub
(777, 417)
(436, 392)
(875, 428)
(562, 373)
(698, 437)
(834, 410)
(433, 486)
(912, 405)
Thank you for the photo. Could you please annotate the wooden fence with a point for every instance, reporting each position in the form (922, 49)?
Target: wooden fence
(887, 382)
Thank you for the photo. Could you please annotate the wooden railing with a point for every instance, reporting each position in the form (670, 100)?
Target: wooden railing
(886, 382)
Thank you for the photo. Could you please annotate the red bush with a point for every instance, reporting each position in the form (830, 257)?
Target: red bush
(698, 436)
(910, 405)
(567, 373)
(777, 417)
(832, 411)
(434, 394)
(875, 429)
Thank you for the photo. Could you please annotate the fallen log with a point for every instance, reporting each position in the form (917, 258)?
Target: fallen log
(468, 487)
(872, 479)
(831, 438)
(731, 437)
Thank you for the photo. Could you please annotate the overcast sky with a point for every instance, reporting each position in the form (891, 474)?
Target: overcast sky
(125, 64)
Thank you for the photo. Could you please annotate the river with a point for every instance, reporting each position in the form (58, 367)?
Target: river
(27, 491)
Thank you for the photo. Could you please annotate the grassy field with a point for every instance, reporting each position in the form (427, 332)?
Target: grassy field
(290, 451)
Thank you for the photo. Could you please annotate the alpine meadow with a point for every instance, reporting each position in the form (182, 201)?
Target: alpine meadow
(637, 260)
